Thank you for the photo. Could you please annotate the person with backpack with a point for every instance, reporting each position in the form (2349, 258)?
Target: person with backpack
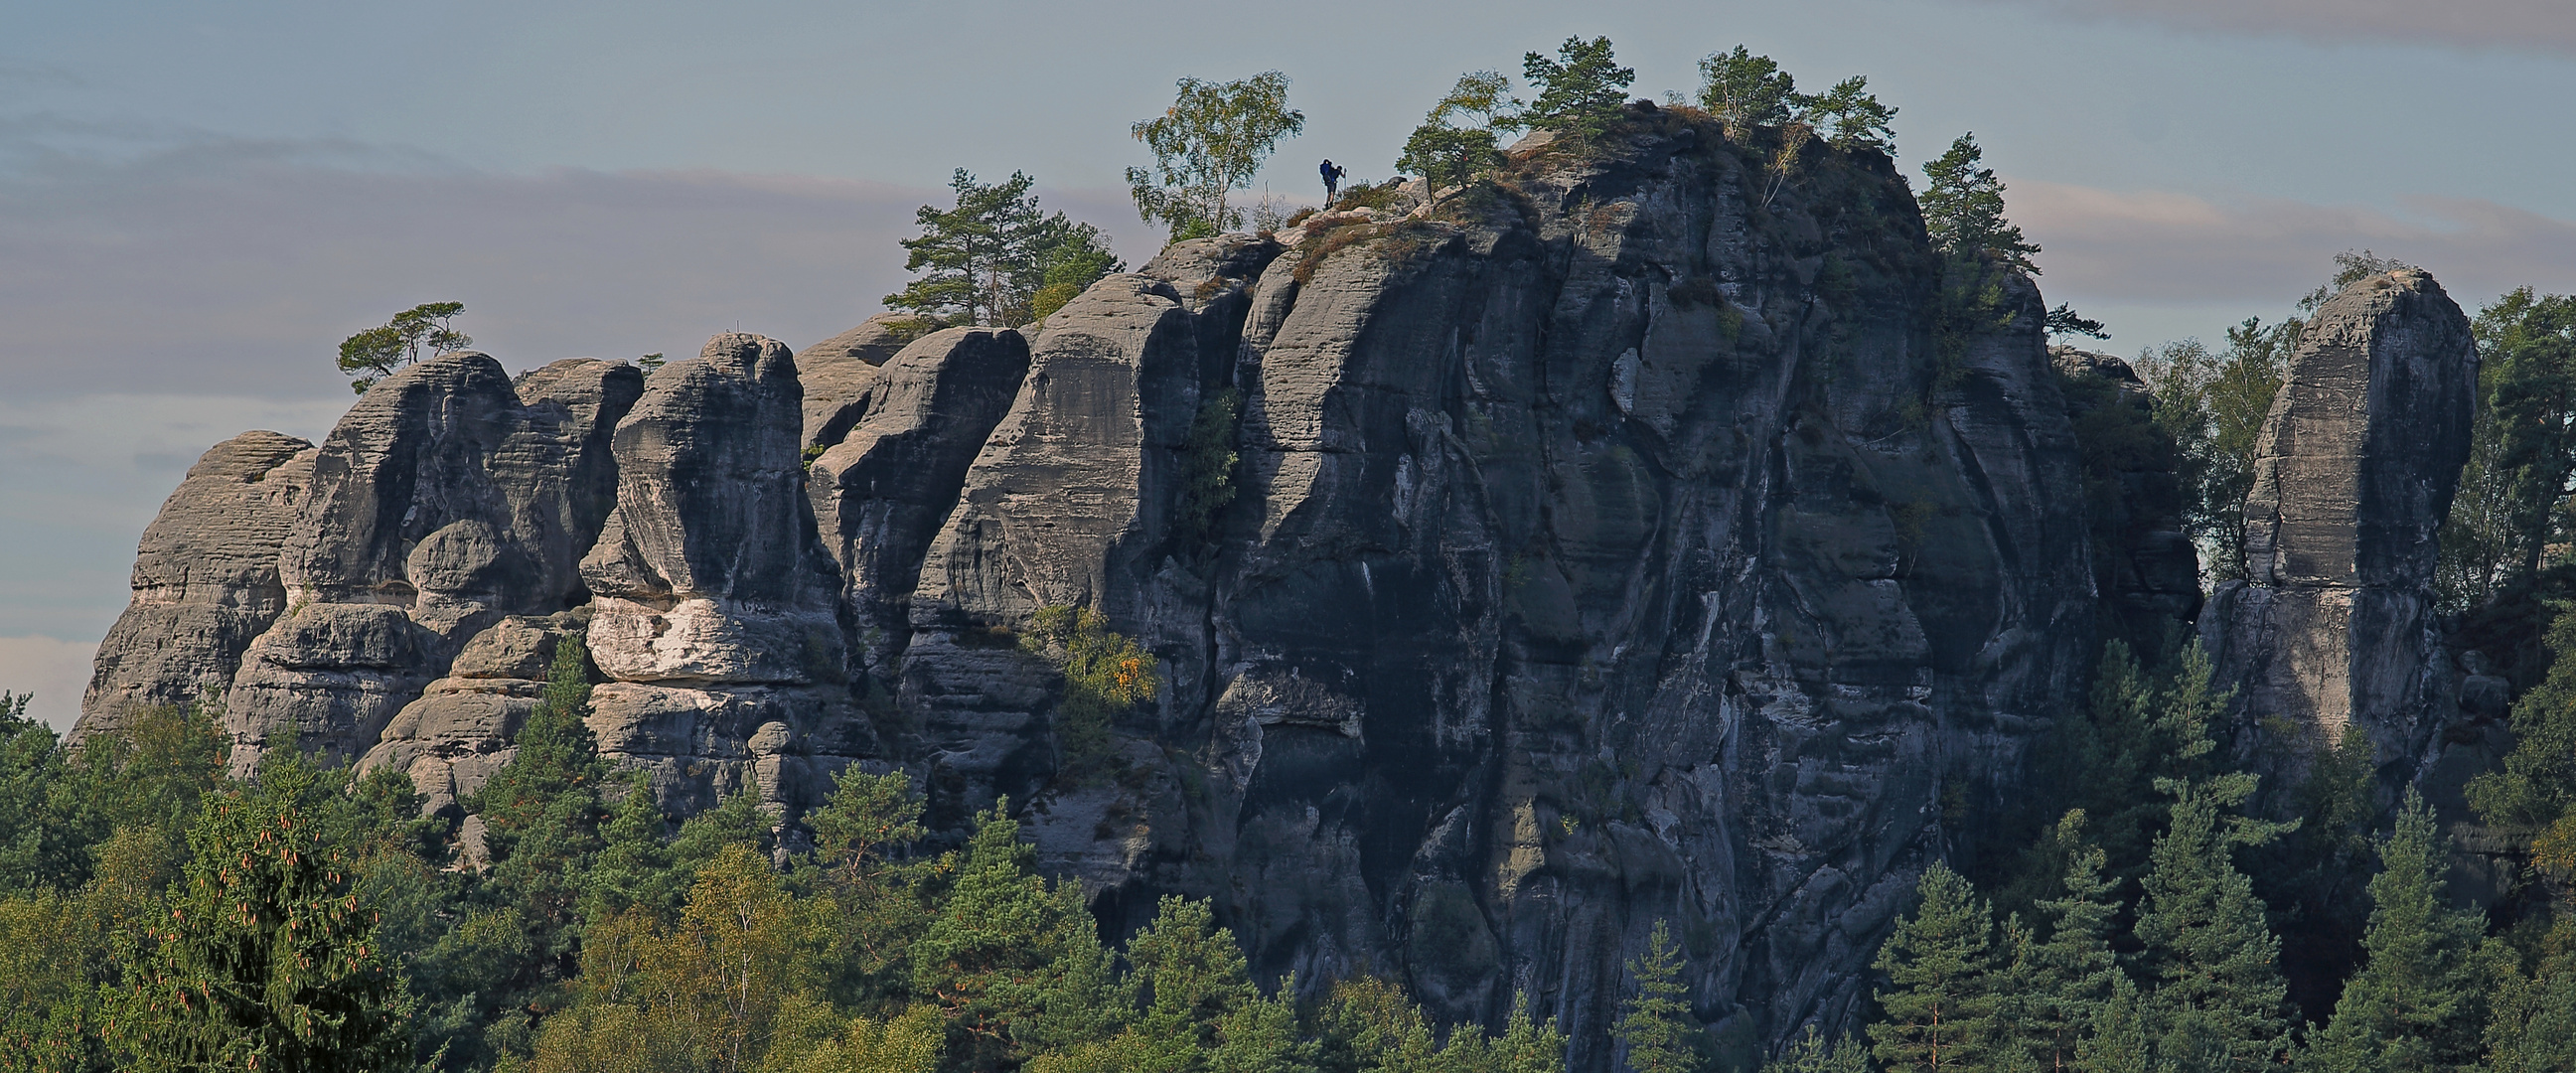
(1332, 180)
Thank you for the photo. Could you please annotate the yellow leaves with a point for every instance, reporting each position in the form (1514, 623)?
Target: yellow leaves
(2555, 849)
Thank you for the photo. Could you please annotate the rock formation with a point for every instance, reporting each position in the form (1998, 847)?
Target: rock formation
(2353, 475)
(1631, 540)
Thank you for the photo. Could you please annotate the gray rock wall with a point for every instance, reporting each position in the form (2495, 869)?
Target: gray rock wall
(2353, 475)
(1631, 542)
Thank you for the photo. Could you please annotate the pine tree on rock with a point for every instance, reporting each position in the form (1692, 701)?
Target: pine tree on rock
(2417, 1003)
(1940, 963)
(1655, 1023)
(2219, 997)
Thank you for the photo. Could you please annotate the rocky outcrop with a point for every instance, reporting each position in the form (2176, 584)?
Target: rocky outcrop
(205, 580)
(2353, 476)
(1629, 541)
(883, 491)
(713, 606)
(836, 373)
(2144, 564)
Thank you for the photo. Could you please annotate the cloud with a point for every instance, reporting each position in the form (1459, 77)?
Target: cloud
(237, 267)
(2159, 247)
(54, 671)
(2506, 25)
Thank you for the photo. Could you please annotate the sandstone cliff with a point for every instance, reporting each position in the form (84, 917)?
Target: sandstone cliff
(2353, 475)
(1637, 538)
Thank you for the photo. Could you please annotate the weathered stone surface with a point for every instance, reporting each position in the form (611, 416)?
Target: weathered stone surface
(882, 493)
(2145, 567)
(205, 580)
(1634, 542)
(1620, 555)
(448, 497)
(2353, 474)
(836, 373)
(711, 593)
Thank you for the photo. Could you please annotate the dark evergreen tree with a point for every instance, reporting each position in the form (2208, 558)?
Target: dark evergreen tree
(1939, 962)
(268, 959)
(2418, 1001)
(2219, 1000)
(1655, 1023)
(1581, 91)
(2070, 975)
(1964, 208)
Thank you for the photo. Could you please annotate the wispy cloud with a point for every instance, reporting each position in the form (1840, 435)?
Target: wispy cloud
(238, 266)
(2507, 25)
(2157, 247)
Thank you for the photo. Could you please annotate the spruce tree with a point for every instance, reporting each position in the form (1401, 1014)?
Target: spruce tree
(268, 959)
(1939, 962)
(1655, 1023)
(2219, 999)
(2071, 973)
(2416, 1004)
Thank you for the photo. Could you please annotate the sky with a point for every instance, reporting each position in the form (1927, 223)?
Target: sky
(198, 201)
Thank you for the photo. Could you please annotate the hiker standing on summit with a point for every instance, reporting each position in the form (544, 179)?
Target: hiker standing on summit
(1332, 180)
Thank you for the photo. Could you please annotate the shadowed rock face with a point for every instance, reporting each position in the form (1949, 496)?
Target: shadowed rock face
(836, 373)
(2353, 476)
(1638, 541)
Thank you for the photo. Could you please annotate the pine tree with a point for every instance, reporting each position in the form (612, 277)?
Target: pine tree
(1939, 960)
(2072, 972)
(268, 958)
(2416, 1004)
(1656, 1022)
(1814, 1054)
(542, 811)
(1581, 91)
(974, 253)
(1964, 208)
(2219, 998)
(2532, 1026)
(2118, 1043)
(1012, 958)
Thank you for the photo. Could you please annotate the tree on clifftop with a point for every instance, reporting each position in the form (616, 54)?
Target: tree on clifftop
(1964, 208)
(374, 354)
(1581, 91)
(1209, 142)
(996, 258)
(1446, 154)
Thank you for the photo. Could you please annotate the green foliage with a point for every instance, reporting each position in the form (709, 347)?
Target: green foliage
(1209, 143)
(2417, 1003)
(1746, 92)
(1814, 1054)
(268, 956)
(1208, 458)
(2531, 1027)
(1851, 117)
(1940, 1005)
(996, 257)
(1447, 154)
(2534, 791)
(2214, 405)
(2534, 348)
(2219, 999)
(1581, 92)
(2064, 321)
(1964, 209)
(2067, 979)
(375, 353)
(1656, 1024)
(1105, 674)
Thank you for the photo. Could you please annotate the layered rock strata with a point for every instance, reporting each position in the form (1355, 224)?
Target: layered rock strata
(1638, 538)
(2353, 474)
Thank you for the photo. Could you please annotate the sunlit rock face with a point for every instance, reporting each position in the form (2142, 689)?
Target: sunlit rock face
(2334, 631)
(1643, 537)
